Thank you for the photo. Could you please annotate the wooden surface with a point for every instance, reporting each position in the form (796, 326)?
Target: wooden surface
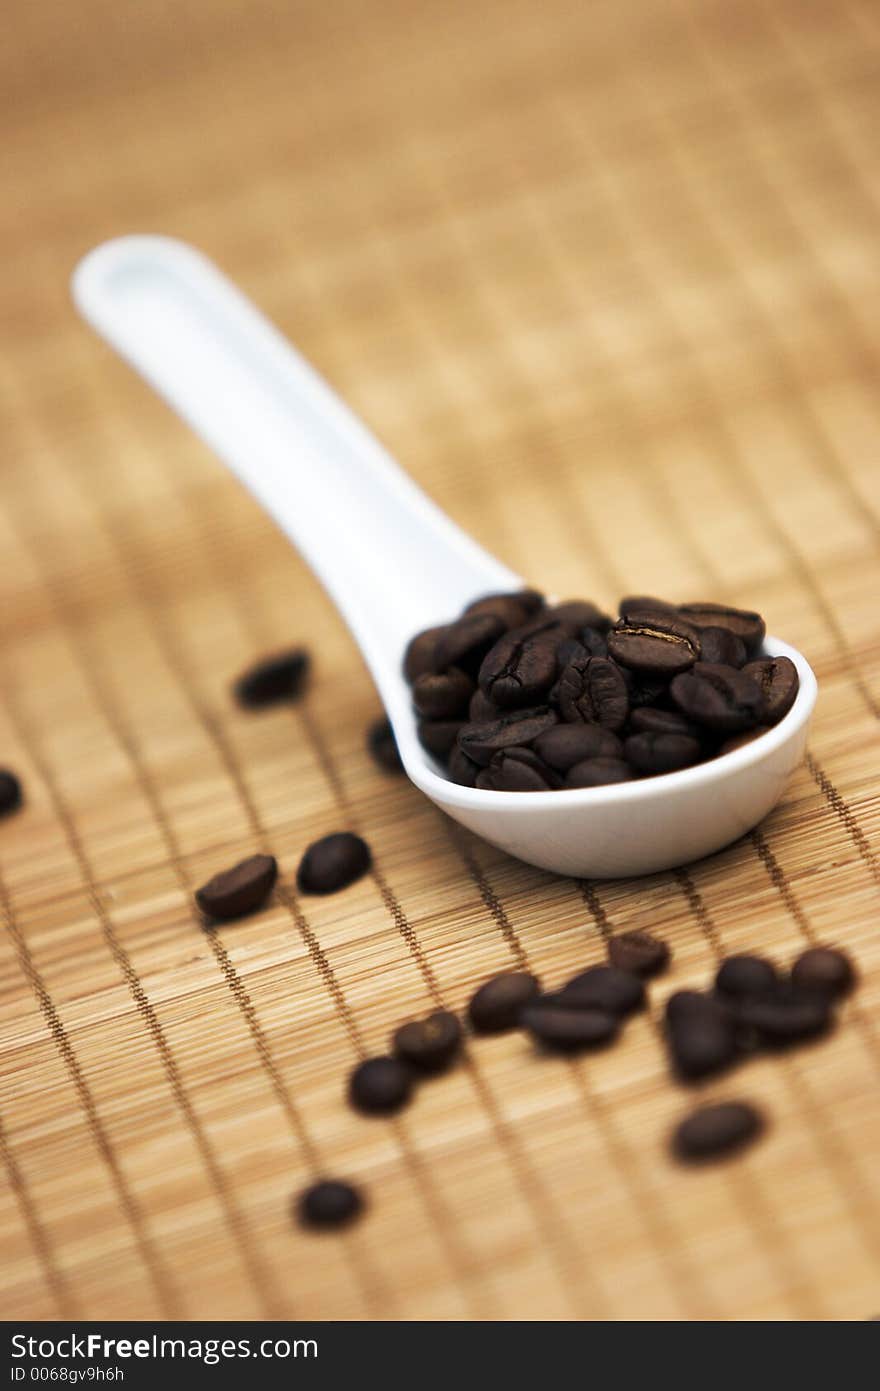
(605, 278)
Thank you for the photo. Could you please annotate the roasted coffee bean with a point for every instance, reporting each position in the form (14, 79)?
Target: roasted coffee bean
(10, 792)
(332, 863)
(778, 680)
(655, 643)
(825, 970)
(383, 746)
(739, 741)
(606, 988)
(462, 769)
(329, 1203)
(568, 1030)
(519, 670)
(592, 690)
(598, 772)
(643, 691)
(567, 744)
(512, 609)
(481, 709)
(442, 695)
(517, 770)
(661, 753)
(419, 655)
(712, 1131)
(380, 1086)
(785, 1015)
(748, 626)
(429, 1045)
(746, 975)
(647, 720)
(701, 1035)
(517, 729)
(438, 736)
(465, 643)
(596, 643)
(497, 1005)
(576, 614)
(722, 645)
(234, 892)
(273, 679)
(645, 603)
(638, 953)
(719, 697)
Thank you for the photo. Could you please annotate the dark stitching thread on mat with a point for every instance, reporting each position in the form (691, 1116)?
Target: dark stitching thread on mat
(39, 1237)
(845, 813)
(165, 1291)
(490, 899)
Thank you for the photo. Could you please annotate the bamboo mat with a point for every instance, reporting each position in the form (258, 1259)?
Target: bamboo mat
(605, 278)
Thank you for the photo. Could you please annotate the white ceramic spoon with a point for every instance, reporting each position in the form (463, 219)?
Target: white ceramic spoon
(393, 562)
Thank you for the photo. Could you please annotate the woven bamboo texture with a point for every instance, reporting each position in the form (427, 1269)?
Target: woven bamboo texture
(605, 278)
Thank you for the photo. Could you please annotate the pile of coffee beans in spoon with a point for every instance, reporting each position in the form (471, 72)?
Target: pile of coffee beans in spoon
(516, 695)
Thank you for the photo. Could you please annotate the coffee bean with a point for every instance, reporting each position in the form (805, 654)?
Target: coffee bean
(442, 695)
(661, 753)
(519, 669)
(568, 1030)
(643, 690)
(712, 1131)
(748, 626)
(644, 603)
(647, 720)
(273, 679)
(824, 970)
(465, 643)
(497, 1005)
(380, 1086)
(329, 1203)
(592, 690)
(234, 892)
(722, 645)
(598, 772)
(481, 709)
(639, 953)
(462, 770)
(383, 746)
(419, 655)
(595, 643)
(517, 729)
(517, 770)
(746, 975)
(10, 792)
(701, 1035)
(567, 744)
(332, 863)
(512, 609)
(655, 643)
(719, 697)
(429, 1045)
(438, 736)
(606, 988)
(575, 614)
(785, 1015)
(778, 680)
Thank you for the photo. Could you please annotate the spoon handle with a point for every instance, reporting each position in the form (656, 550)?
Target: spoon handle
(392, 561)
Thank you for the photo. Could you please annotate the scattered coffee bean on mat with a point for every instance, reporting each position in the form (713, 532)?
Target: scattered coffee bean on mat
(520, 696)
(785, 1015)
(605, 988)
(333, 863)
(428, 1044)
(234, 892)
(825, 970)
(551, 1023)
(382, 746)
(380, 1086)
(701, 1035)
(278, 677)
(639, 953)
(499, 1002)
(746, 975)
(329, 1203)
(10, 792)
(713, 1131)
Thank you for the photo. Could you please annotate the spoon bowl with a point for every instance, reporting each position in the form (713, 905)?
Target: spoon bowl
(394, 563)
